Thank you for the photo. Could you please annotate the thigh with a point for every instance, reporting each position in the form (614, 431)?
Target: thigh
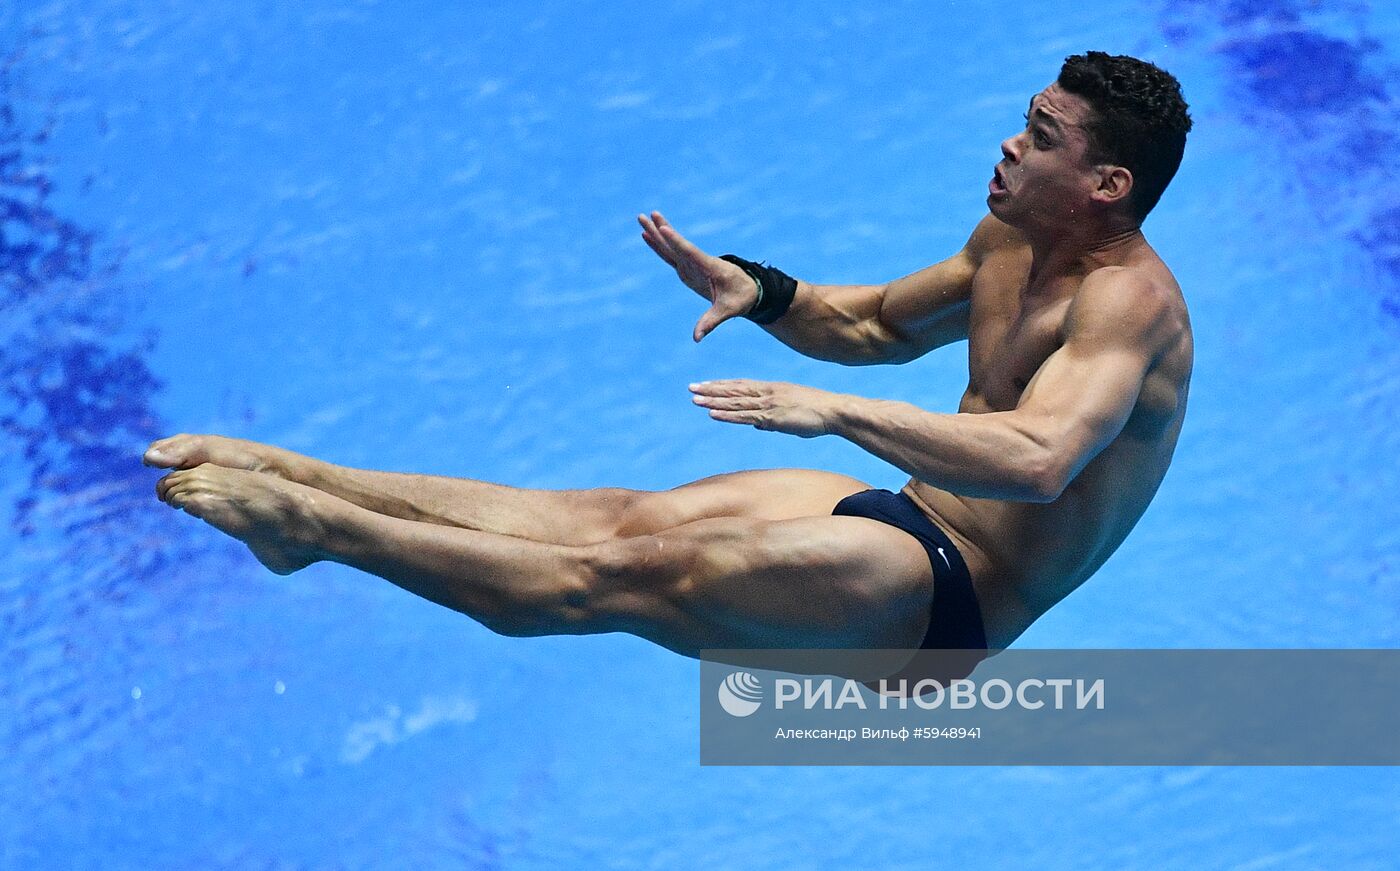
(759, 494)
(810, 582)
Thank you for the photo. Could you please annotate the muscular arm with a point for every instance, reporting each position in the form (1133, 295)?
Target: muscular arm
(855, 325)
(1078, 402)
(859, 325)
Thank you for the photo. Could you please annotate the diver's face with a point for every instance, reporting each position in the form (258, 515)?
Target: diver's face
(1044, 177)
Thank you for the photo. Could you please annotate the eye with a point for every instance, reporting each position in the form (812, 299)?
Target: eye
(1039, 137)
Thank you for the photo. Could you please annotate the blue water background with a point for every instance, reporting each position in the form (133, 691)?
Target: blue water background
(401, 236)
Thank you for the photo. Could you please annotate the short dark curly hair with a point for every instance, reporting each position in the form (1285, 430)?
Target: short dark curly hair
(1139, 121)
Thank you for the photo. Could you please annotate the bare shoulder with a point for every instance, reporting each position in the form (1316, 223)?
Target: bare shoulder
(1127, 305)
(1134, 319)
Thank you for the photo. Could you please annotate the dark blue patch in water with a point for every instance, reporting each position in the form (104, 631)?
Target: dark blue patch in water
(1300, 71)
(77, 393)
(1237, 12)
(1382, 239)
(1322, 89)
(92, 555)
(1363, 145)
(1187, 16)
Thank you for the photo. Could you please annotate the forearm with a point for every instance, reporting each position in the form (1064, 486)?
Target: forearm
(981, 455)
(836, 323)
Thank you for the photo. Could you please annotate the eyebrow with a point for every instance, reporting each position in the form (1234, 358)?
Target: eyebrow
(1045, 118)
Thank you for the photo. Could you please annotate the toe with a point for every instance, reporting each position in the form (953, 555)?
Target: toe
(168, 483)
(176, 452)
(160, 453)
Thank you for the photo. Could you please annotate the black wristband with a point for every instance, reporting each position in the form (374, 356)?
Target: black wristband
(775, 289)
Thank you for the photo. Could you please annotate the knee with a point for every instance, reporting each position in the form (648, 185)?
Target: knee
(648, 512)
(632, 563)
(556, 602)
(630, 580)
(609, 512)
(673, 565)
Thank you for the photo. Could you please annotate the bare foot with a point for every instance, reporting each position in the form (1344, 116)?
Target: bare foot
(187, 451)
(275, 518)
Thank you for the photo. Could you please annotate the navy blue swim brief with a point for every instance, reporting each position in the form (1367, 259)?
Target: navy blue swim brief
(955, 619)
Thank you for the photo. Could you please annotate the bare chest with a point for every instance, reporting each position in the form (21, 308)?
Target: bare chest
(1010, 334)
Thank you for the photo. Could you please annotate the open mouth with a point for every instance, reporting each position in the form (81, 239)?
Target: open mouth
(997, 185)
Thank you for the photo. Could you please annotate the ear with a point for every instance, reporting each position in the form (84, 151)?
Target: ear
(1115, 183)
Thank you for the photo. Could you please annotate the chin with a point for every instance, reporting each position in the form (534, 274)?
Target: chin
(999, 210)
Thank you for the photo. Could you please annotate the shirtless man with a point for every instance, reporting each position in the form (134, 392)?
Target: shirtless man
(1079, 357)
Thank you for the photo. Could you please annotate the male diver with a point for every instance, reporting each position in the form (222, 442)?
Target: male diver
(1079, 358)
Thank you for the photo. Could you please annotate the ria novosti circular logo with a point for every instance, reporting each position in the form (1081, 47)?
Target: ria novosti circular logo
(740, 694)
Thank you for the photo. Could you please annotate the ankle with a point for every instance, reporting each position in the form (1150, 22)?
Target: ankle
(297, 467)
(314, 525)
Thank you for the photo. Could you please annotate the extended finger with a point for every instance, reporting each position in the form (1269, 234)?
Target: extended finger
(728, 403)
(652, 224)
(751, 418)
(656, 244)
(649, 230)
(679, 243)
(652, 236)
(728, 387)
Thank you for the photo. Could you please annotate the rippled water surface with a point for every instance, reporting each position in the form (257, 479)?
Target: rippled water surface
(401, 236)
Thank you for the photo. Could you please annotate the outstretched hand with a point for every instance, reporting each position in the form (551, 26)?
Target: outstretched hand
(769, 405)
(729, 289)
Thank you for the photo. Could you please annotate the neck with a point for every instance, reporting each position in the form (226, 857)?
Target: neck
(1072, 248)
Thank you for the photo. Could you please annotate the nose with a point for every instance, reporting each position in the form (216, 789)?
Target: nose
(1009, 148)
